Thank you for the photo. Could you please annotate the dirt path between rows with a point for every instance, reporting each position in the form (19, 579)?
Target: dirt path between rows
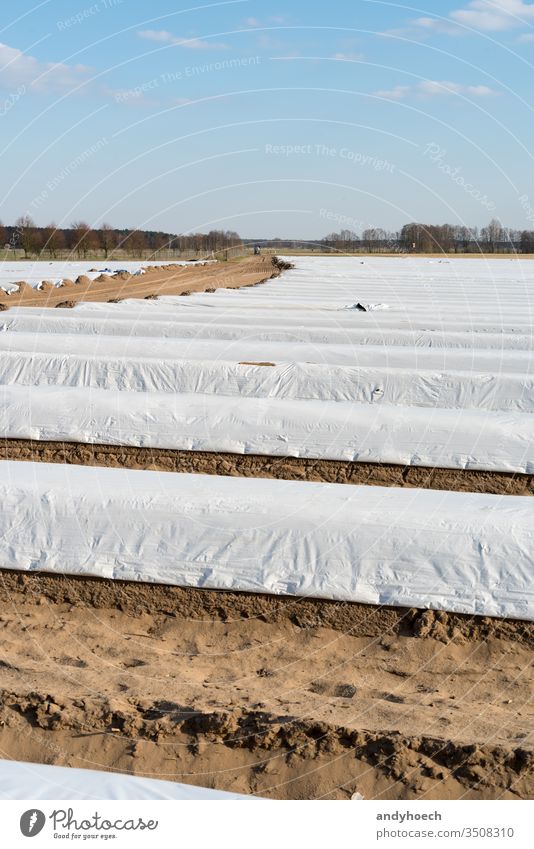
(161, 280)
(277, 697)
(255, 465)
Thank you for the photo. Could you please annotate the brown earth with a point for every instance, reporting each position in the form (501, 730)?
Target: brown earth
(160, 280)
(255, 465)
(272, 696)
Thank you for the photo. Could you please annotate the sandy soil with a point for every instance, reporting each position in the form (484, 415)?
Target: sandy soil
(254, 465)
(161, 280)
(276, 697)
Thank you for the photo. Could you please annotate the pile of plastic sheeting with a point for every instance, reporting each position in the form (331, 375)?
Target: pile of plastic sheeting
(413, 436)
(460, 552)
(30, 781)
(366, 307)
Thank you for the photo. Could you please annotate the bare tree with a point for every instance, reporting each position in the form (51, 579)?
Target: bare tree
(160, 241)
(136, 243)
(492, 235)
(84, 238)
(108, 239)
(527, 242)
(373, 237)
(26, 234)
(53, 239)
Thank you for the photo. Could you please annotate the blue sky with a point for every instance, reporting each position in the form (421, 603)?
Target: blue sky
(290, 119)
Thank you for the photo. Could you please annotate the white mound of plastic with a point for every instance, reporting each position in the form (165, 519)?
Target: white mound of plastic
(462, 552)
(19, 780)
(412, 436)
(168, 321)
(246, 349)
(405, 387)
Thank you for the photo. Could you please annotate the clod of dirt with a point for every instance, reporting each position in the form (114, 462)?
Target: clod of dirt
(257, 364)
(320, 688)
(435, 624)
(24, 288)
(66, 305)
(345, 691)
(264, 673)
(282, 264)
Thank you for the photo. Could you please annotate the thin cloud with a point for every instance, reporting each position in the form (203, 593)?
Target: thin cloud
(349, 57)
(397, 93)
(484, 15)
(254, 23)
(140, 99)
(131, 97)
(164, 37)
(435, 88)
(436, 25)
(19, 69)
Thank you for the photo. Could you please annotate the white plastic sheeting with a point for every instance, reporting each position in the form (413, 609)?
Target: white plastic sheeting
(19, 780)
(457, 336)
(207, 324)
(461, 552)
(231, 304)
(250, 350)
(405, 284)
(453, 390)
(457, 439)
